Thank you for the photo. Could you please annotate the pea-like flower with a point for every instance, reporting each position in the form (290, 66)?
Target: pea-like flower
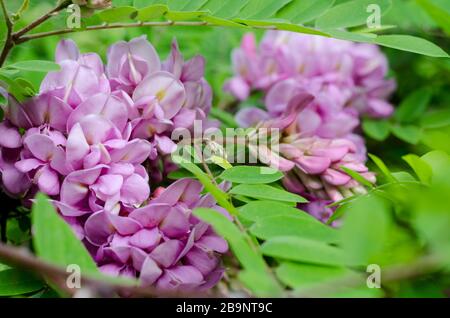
(161, 243)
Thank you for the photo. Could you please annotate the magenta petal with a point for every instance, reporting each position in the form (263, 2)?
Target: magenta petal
(135, 152)
(165, 144)
(146, 239)
(98, 228)
(213, 242)
(166, 88)
(173, 193)
(77, 147)
(193, 69)
(238, 87)
(15, 111)
(166, 253)
(335, 177)
(151, 215)
(175, 61)
(333, 153)
(66, 50)
(313, 165)
(135, 190)
(105, 105)
(142, 48)
(250, 116)
(185, 277)
(98, 129)
(150, 272)
(41, 146)
(108, 185)
(185, 117)
(123, 225)
(10, 136)
(205, 262)
(111, 269)
(14, 181)
(138, 258)
(47, 180)
(175, 224)
(26, 165)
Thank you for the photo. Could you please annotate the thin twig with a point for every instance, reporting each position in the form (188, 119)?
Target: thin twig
(41, 19)
(22, 258)
(394, 273)
(124, 25)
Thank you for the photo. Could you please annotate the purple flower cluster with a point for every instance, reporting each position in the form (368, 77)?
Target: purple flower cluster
(315, 89)
(88, 141)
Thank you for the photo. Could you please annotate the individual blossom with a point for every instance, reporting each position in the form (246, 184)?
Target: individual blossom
(161, 243)
(80, 76)
(313, 165)
(130, 62)
(13, 181)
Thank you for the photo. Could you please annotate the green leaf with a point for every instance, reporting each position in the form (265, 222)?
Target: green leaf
(436, 119)
(27, 86)
(251, 174)
(213, 5)
(302, 250)
(413, 106)
(301, 11)
(249, 258)
(439, 162)
(408, 133)
(152, 12)
(282, 26)
(303, 227)
(358, 177)
(351, 36)
(192, 5)
(35, 66)
(17, 282)
(298, 275)
(411, 44)
(376, 129)
(118, 14)
(221, 22)
(185, 15)
(351, 13)
(403, 176)
(439, 15)
(384, 169)
(220, 196)
(230, 9)
(54, 240)
(256, 210)
(364, 229)
(420, 167)
(14, 88)
(262, 9)
(266, 192)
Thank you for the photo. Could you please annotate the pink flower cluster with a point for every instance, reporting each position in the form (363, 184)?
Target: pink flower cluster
(336, 82)
(86, 141)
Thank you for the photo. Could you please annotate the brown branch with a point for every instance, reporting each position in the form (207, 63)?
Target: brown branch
(394, 273)
(22, 258)
(8, 40)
